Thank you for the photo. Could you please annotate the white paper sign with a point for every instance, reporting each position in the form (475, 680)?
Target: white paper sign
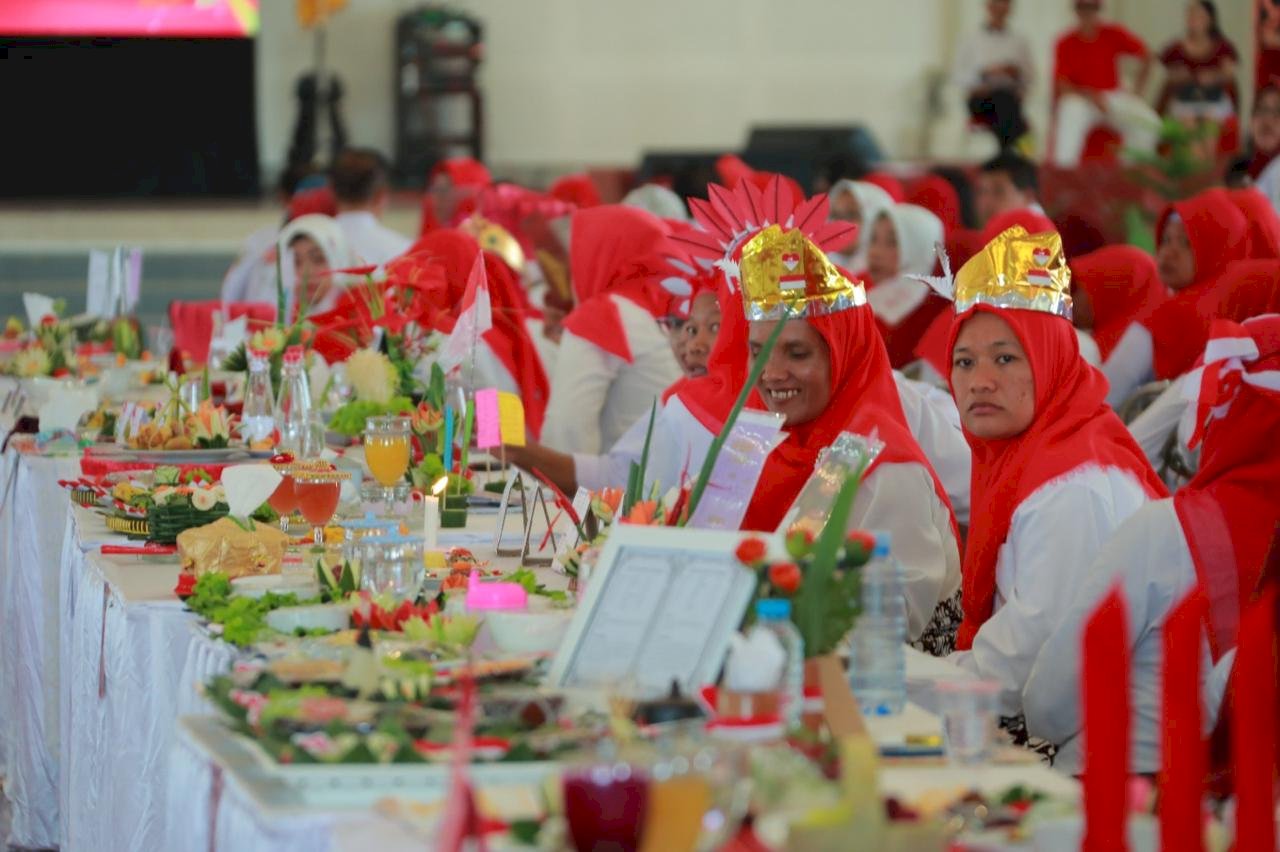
(662, 605)
(97, 299)
(581, 503)
(132, 279)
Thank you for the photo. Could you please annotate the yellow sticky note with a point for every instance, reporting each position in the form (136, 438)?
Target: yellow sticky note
(511, 419)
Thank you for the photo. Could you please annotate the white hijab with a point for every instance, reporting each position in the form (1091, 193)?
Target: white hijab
(918, 233)
(323, 231)
(657, 200)
(872, 200)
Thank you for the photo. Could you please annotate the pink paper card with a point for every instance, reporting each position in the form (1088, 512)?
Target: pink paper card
(488, 420)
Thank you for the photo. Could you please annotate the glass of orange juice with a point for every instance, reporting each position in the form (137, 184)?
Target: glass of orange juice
(387, 452)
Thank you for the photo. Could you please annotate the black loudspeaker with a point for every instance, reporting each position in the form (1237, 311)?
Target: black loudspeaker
(809, 152)
(686, 172)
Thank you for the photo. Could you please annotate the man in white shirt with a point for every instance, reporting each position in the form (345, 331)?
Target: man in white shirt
(993, 69)
(361, 188)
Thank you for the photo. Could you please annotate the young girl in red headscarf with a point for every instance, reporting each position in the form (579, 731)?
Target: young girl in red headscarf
(1054, 470)
(506, 356)
(1112, 288)
(1213, 533)
(614, 358)
(1197, 240)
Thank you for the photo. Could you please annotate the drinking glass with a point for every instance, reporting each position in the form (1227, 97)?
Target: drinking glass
(392, 564)
(605, 806)
(968, 709)
(284, 500)
(317, 492)
(386, 452)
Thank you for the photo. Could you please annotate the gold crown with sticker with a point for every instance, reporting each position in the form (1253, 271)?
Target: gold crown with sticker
(497, 239)
(1015, 270)
(784, 274)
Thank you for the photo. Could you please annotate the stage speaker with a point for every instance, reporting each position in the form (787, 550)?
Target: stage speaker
(807, 152)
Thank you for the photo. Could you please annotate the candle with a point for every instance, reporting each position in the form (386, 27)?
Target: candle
(431, 521)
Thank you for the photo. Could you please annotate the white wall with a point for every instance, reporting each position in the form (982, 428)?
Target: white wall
(571, 83)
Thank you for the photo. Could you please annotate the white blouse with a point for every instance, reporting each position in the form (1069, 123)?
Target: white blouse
(1149, 556)
(1171, 412)
(596, 396)
(1130, 365)
(1054, 536)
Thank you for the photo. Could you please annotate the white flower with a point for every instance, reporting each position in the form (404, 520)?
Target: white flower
(204, 499)
(371, 375)
(162, 494)
(32, 362)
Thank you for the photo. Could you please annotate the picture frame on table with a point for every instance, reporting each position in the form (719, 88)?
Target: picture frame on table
(661, 607)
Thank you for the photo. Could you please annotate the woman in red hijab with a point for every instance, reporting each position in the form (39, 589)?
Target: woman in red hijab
(506, 357)
(1213, 534)
(1111, 288)
(1054, 470)
(1263, 241)
(614, 359)
(1197, 240)
(451, 192)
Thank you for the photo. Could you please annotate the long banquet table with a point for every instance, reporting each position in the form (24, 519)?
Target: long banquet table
(104, 744)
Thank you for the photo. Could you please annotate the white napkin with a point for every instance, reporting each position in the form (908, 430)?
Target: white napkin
(65, 408)
(38, 307)
(755, 662)
(248, 486)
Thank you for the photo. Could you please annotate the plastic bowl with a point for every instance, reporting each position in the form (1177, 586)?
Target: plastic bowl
(257, 585)
(313, 617)
(528, 632)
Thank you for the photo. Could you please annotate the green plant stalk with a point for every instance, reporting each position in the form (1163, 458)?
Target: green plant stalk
(279, 289)
(468, 422)
(713, 452)
(635, 488)
(814, 600)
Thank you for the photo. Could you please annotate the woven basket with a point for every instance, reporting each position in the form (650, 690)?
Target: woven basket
(86, 497)
(128, 525)
(167, 521)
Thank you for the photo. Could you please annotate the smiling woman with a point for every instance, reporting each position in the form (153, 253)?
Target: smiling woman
(796, 381)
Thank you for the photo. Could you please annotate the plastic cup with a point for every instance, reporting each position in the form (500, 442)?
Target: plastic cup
(968, 709)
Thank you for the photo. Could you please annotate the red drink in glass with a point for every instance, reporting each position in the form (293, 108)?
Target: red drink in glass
(283, 500)
(605, 808)
(317, 495)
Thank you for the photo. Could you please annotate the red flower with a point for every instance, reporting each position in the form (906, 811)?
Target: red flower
(48, 320)
(751, 551)
(186, 585)
(859, 545)
(785, 577)
(61, 372)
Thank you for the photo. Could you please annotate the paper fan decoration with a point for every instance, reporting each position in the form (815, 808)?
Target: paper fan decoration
(730, 217)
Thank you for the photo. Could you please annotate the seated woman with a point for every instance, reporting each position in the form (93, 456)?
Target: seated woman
(614, 359)
(506, 356)
(1054, 470)
(858, 203)
(1197, 240)
(904, 245)
(313, 248)
(1214, 533)
(1110, 289)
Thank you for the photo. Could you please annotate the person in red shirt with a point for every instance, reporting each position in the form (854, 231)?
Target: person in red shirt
(1087, 86)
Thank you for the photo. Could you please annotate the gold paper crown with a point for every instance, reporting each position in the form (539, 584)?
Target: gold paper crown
(784, 274)
(1014, 270)
(497, 239)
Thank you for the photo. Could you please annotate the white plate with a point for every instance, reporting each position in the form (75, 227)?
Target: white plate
(257, 585)
(229, 454)
(313, 617)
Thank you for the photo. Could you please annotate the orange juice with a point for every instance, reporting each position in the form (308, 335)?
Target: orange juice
(673, 820)
(387, 457)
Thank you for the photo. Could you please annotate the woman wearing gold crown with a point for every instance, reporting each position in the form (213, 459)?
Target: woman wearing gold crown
(1054, 470)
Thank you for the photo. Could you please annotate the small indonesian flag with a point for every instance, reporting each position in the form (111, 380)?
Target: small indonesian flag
(475, 317)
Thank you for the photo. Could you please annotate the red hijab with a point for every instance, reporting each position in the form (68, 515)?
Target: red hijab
(1073, 428)
(508, 338)
(578, 190)
(1263, 240)
(1123, 286)
(864, 400)
(1032, 221)
(936, 194)
(1230, 510)
(1218, 233)
(888, 183)
(467, 176)
(613, 251)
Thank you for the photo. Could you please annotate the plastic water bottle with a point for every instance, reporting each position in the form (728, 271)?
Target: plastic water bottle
(293, 405)
(877, 657)
(258, 419)
(774, 615)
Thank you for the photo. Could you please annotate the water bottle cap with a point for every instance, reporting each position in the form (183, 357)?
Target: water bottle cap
(773, 609)
(259, 354)
(883, 542)
(293, 355)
